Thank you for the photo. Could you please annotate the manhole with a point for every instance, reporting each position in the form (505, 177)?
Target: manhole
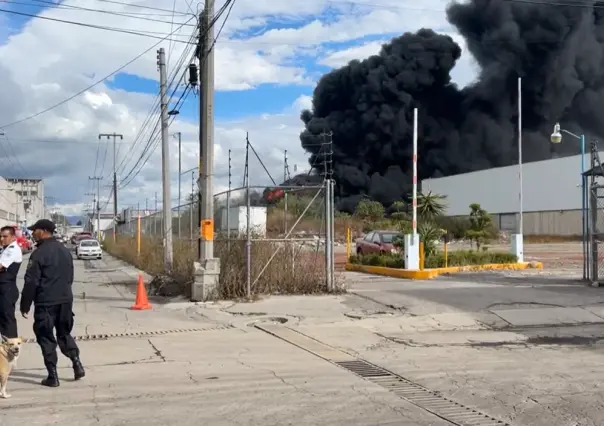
(267, 320)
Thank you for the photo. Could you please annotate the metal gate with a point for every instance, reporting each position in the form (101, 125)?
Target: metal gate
(594, 255)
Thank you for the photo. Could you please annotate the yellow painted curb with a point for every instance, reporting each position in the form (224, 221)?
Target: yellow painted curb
(427, 274)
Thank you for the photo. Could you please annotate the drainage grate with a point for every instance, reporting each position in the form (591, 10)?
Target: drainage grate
(93, 337)
(431, 401)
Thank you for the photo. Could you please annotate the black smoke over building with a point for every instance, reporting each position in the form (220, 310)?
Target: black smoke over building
(368, 105)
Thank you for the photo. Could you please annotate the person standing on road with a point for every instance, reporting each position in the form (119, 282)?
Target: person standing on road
(10, 262)
(48, 283)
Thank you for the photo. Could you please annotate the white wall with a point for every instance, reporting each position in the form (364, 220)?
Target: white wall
(547, 186)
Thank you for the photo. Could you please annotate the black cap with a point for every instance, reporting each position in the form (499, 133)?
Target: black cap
(43, 225)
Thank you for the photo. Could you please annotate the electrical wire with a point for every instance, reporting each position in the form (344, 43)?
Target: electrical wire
(64, 101)
(53, 5)
(155, 109)
(154, 142)
(137, 6)
(81, 24)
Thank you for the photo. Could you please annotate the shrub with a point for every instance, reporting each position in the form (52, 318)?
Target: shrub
(468, 257)
(437, 259)
(386, 260)
(298, 271)
(455, 227)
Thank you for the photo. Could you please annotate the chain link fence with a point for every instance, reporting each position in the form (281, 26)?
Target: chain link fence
(269, 240)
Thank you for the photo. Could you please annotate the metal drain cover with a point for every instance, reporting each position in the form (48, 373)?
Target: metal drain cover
(431, 401)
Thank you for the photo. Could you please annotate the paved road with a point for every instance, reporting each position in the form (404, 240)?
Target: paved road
(221, 376)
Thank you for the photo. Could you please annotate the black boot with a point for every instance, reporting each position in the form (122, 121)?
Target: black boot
(78, 369)
(52, 381)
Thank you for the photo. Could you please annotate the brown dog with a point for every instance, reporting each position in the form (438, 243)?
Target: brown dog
(9, 352)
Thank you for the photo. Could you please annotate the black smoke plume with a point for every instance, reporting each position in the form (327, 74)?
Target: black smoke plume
(368, 105)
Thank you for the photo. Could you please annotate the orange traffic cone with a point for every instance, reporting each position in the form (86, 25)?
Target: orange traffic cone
(141, 303)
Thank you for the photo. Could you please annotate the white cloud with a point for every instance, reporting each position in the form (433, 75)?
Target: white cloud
(46, 62)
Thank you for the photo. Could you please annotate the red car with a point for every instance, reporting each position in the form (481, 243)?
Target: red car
(377, 242)
(23, 242)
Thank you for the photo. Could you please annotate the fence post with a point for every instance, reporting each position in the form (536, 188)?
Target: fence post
(328, 228)
(348, 244)
(138, 235)
(248, 241)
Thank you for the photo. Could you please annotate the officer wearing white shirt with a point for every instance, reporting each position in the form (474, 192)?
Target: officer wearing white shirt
(10, 262)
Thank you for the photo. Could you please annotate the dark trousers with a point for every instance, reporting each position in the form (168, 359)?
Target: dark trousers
(47, 319)
(8, 299)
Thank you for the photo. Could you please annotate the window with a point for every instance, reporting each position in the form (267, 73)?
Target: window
(376, 238)
(388, 238)
(369, 236)
(89, 243)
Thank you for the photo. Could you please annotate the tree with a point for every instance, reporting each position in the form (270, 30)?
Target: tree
(369, 210)
(480, 225)
(399, 211)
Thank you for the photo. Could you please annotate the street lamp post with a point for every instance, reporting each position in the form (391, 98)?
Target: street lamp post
(556, 138)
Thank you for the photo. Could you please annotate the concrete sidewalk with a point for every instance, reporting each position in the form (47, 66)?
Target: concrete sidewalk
(218, 375)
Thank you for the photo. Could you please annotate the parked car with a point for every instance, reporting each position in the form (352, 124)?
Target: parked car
(75, 238)
(89, 249)
(377, 242)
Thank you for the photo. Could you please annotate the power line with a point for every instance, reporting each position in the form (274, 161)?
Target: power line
(53, 5)
(98, 27)
(139, 6)
(88, 87)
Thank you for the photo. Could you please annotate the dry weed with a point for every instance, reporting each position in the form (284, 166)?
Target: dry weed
(291, 270)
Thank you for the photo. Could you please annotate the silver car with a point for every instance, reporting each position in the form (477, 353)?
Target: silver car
(89, 249)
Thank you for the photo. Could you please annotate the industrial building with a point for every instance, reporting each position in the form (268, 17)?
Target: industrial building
(21, 201)
(551, 195)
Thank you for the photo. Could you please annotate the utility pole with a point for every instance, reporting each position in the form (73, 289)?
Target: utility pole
(207, 269)
(93, 195)
(165, 156)
(179, 176)
(155, 215)
(114, 136)
(98, 205)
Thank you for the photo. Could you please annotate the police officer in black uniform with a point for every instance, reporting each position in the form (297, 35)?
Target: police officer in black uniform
(10, 262)
(48, 282)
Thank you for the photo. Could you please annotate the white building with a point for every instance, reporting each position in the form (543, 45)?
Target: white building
(21, 201)
(551, 195)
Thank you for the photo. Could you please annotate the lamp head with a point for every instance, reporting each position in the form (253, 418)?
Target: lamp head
(556, 137)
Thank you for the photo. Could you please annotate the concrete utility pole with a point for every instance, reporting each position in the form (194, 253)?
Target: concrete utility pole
(165, 156)
(179, 176)
(98, 205)
(93, 195)
(114, 136)
(207, 269)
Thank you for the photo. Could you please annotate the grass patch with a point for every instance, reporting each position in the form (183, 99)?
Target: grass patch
(293, 270)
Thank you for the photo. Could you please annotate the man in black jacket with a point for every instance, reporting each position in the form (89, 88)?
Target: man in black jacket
(48, 282)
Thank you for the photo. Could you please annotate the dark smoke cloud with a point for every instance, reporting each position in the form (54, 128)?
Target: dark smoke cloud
(368, 105)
